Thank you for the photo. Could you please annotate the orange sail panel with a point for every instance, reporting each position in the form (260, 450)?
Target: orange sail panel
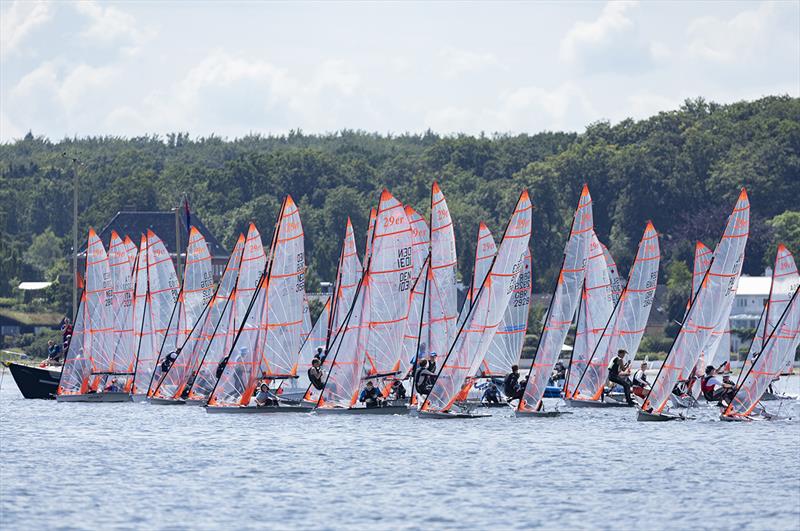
(769, 362)
(161, 293)
(122, 306)
(562, 305)
(713, 299)
(268, 344)
(441, 305)
(473, 339)
(506, 346)
(594, 312)
(372, 335)
(628, 321)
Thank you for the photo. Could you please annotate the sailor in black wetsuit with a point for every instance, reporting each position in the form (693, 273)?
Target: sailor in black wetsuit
(315, 374)
(423, 378)
(511, 387)
(169, 360)
(371, 396)
(618, 374)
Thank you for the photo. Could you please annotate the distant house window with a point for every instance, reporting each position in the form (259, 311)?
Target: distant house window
(9, 330)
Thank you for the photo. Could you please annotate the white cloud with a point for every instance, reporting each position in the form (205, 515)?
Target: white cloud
(109, 25)
(732, 40)
(18, 20)
(530, 108)
(584, 35)
(459, 62)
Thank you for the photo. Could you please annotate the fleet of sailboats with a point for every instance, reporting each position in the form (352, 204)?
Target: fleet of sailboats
(247, 343)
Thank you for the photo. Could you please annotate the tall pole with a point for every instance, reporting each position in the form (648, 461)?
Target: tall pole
(178, 243)
(75, 164)
(74, 239)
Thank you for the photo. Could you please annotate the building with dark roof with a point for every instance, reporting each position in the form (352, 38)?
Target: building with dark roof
(136, 223)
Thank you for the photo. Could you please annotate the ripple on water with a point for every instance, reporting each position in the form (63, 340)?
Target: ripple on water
(137, 465)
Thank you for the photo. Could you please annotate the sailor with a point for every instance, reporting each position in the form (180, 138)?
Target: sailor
(618, 373)
(491, 394)
(714, 389)
(424, 378)
(432, 362)
(511, 383)
(315, 374)
(221, 366)
(169, 360)
(113, 386)
(559, 374)
(398, 392)
(640, 384)
(371, 396)
(320, 354)
(53, 353)
(264, 397)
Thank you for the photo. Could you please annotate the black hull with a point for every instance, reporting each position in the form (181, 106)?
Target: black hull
(265, 410)
(644, 416)
(386, 410)
(34, 382)
(573, 402)
(108, 398)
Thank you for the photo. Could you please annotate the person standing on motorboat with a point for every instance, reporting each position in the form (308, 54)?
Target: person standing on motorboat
(315, 374)
(618, 373)
(371, 396)
(640, 386)
(714, 389)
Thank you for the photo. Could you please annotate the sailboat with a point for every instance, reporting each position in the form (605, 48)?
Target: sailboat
(348, 275)
(416, 324)
(267, 345)
(89, 360)
(505, 349)
(624, 329)
(156, 292)
(434, 290)
(766, 367)
(473, 339)
(717, 291)
(122, 263)
(187, 313)
(594, 313)
(785, 279)
(562, 308)
(251, 266)
(172, 387)
(371, 335)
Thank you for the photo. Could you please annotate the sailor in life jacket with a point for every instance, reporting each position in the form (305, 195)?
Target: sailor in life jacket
(715, 389)
(315, 374)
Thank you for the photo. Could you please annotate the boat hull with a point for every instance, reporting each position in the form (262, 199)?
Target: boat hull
(35, 382)
(644, 416)
(573, 402)
(167, 401)
(388, 410)
(105, 398)
(540, 414)
(443, 415)
(244, 410)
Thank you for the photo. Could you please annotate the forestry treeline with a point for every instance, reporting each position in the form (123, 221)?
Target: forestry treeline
(682, 169)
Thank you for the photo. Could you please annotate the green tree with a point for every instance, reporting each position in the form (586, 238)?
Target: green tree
(43, 253)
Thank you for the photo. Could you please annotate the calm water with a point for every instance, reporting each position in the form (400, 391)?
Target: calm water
(143, 466)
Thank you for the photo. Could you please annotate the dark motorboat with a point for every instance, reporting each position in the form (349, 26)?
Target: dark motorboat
(35, 382)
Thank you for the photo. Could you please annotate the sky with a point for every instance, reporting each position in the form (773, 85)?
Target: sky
(232, 69)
